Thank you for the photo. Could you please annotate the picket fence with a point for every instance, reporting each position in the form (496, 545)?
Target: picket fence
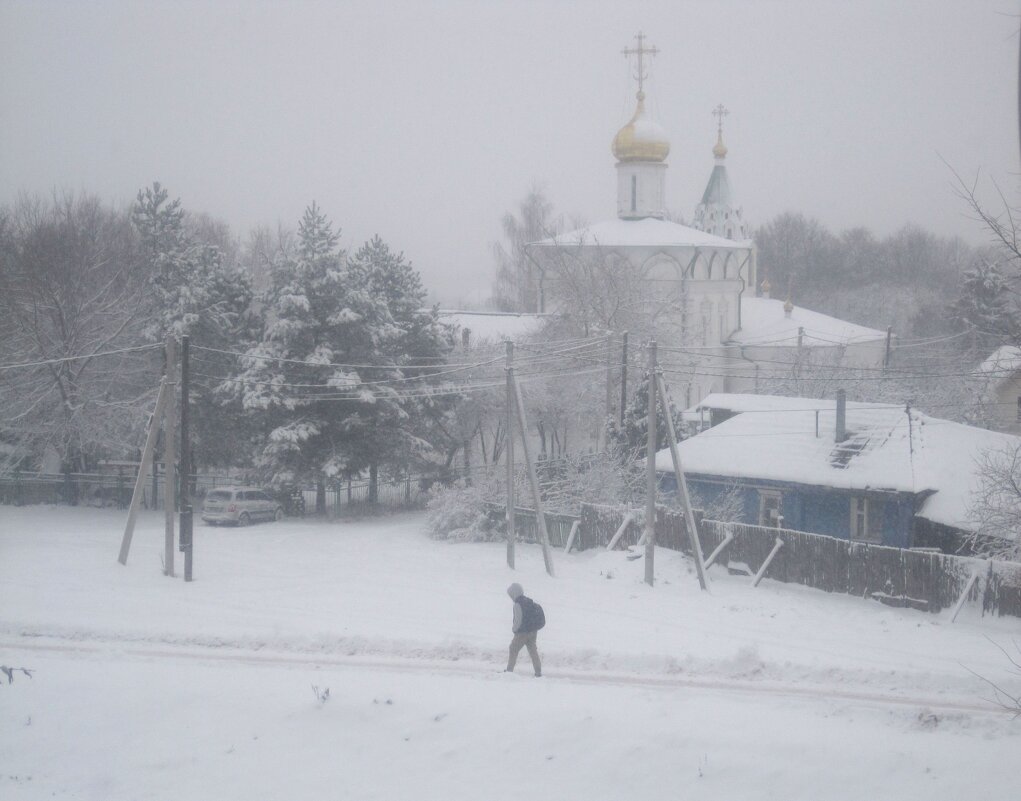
(923, 580)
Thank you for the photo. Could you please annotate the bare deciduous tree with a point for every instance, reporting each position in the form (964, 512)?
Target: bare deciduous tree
(70, 287)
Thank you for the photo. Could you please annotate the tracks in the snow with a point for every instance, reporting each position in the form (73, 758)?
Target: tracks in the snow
(115, 649)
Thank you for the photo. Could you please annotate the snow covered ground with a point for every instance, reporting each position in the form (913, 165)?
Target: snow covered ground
(144, 687)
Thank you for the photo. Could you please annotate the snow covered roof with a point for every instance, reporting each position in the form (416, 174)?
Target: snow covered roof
(494, 326)
(764, 322)
(884, 450)
(647, 232)
(1002, 363)
(739, 402)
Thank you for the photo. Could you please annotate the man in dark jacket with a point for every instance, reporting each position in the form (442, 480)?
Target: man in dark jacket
(526, 625)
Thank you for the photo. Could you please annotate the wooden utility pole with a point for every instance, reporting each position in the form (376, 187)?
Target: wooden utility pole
(143, 468)
(186, 527)
(533, 480)
(623, 380)
(509, 448)
(886, 355)
(609, 387)
(682, 487)
(170, 460)
(650, 473)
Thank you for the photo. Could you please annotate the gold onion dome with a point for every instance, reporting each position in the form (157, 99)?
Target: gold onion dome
(719, 149)
(641, 139)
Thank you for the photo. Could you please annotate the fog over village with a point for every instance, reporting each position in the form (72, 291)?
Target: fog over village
(449, 400)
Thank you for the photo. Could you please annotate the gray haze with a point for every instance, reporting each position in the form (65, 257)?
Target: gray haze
(425, 122)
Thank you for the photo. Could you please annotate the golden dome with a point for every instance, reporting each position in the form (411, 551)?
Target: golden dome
(719, 149)
(641, 139)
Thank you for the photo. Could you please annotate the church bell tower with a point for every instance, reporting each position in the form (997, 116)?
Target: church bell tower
(641, 148)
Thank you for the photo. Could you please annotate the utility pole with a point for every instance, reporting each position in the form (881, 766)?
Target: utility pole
(143, 467)
(533, 480)
(609, 388)
(186, 522)
(682, 486)
(170, 460)
(623, 380)
(889, 336)
(509, 439)
(650, 473)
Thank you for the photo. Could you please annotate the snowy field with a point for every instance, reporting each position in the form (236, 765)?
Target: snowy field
(144, 687)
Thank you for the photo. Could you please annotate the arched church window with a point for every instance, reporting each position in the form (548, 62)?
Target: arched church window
(634, 193)
(707, 316)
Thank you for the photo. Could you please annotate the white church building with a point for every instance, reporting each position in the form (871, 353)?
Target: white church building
(722, 323)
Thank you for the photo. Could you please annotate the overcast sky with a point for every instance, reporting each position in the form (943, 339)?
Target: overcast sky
(424, 122)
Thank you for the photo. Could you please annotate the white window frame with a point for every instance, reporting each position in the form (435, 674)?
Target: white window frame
(864, 513)
(766, 516)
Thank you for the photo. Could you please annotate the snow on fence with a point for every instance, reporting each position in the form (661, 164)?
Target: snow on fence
(114, 490)
(920, 579)
(526, 528)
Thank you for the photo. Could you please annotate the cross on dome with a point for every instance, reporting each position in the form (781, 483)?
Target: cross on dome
(641, 51)
(720, 149)
(720, 112)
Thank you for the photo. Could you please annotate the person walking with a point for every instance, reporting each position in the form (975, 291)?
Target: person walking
(528, 619)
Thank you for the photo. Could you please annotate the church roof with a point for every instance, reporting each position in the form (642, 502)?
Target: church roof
(647, 232)
(764, 323)
(494, 326)
(717, 191)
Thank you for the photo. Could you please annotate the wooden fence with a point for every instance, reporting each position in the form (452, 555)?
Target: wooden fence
(558, 524)
(919, 579)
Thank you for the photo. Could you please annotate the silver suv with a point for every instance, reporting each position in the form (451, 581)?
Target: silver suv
(239, 505)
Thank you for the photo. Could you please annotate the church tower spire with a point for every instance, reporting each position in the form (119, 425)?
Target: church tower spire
(718, 214)
(641, 148)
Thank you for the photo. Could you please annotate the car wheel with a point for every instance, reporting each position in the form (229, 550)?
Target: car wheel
(279, 514)
(244, 519)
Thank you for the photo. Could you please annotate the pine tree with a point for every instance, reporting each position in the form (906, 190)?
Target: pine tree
(194, 292)
(986, 306)
(325, 310)
(631, 440)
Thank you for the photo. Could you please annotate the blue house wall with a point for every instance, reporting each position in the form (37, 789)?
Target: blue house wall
(821, 510)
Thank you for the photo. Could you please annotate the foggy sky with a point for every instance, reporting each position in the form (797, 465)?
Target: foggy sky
(425, 122)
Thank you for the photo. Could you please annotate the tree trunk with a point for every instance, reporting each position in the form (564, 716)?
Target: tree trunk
(373, 483)
(320, 497)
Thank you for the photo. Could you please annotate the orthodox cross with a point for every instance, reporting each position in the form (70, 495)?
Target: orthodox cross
(720, 112)
(641, 51)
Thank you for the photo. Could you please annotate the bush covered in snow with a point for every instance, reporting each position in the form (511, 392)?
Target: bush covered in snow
(458, 513)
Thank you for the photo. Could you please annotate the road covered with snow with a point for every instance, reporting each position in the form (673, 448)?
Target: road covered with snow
(146, 687)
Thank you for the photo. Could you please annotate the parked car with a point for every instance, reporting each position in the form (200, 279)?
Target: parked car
(240, 506)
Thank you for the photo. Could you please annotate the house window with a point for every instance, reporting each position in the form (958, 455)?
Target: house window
(770, 509)
(867, 519)
(634, 193)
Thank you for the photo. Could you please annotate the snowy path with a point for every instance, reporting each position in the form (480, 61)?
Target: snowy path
(483, 671)
(147, 688)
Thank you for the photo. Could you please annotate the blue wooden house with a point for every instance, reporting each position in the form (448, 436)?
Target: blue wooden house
(870, 472)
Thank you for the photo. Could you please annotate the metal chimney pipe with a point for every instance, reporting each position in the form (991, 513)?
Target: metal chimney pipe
(841, 432)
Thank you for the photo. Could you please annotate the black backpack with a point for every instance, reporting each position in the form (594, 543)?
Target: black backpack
(532, 616)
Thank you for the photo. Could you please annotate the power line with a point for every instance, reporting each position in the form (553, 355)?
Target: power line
(78, 358)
